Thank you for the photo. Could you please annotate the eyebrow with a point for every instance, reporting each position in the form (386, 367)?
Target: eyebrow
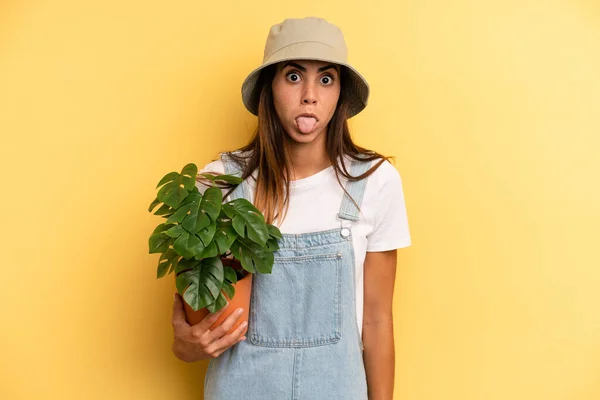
(301, 68)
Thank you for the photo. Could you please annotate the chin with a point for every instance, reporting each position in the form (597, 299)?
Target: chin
(299, 137)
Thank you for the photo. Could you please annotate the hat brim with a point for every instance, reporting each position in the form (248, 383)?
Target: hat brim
(358, 88)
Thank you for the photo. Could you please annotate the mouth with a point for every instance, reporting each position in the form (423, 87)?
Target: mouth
(308, 115)
(306, 122)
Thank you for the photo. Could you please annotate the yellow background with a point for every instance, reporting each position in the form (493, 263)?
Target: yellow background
(491, 109)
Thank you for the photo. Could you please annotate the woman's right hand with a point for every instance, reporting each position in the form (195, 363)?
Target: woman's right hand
(197, 342)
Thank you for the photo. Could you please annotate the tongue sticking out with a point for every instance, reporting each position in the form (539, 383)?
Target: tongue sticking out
(306, 124)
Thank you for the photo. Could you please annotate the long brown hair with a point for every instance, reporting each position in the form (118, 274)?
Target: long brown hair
(266, 151)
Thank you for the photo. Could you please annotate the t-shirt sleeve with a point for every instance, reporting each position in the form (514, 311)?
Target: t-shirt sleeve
(390, 222)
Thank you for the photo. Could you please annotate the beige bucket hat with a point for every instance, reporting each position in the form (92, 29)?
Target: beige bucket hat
(309, 38)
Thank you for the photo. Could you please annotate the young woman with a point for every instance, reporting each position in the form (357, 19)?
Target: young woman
(321, 323)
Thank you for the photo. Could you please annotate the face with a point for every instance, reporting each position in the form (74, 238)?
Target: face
(306, 87)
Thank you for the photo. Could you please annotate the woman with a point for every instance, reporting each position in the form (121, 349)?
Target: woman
(321, 323)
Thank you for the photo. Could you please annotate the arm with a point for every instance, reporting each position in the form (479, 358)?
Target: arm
(378, 331)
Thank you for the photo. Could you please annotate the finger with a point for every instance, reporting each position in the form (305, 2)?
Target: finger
(226, 325)
(232, 338)
(203, 326)
(240, 339)
(221, 351)
(178, 317)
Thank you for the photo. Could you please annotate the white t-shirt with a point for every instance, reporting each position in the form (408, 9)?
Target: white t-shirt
(315, 202)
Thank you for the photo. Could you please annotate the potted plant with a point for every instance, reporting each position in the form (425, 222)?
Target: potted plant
(212, 247)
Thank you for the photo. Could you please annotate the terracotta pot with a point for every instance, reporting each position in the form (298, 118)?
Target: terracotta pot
(243, 290)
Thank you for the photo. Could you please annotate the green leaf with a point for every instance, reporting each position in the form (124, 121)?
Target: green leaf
(223, 216)
(189, 198)
(228, 289)
(195, 297)
(274, 231)
(172, 193)
(252, 256)
(224, 237)
(234, 180)
(164, 209)
(189, 174)
(230, 275)
(209, 251)
(174, 264)
(197, 219)
(214, 266)
(247, 220)
(180, 214)
(188, 245)
(153, 204)
(203, 283)
(272, 245)
(176, 187)
(186, 264)
(175, 231)
(211, 202)
(208, 233)
(218, 304)
(162, 228)
(167, 262)
(159, 243)
(171, 176)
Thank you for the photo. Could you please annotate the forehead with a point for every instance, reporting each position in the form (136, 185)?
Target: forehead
(307, 64)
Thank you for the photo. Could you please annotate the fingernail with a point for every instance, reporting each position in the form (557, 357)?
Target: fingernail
(244, 324)
(240, 311)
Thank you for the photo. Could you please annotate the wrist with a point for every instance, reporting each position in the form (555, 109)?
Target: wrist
(185, 351)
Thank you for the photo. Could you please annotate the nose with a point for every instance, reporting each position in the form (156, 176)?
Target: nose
(309, 96)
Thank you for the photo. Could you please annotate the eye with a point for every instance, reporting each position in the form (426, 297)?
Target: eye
(327, 80)
(293, 77)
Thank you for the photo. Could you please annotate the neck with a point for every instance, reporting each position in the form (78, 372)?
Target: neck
(307, 159)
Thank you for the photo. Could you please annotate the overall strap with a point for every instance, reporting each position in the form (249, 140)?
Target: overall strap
(356, 189)
(233, 168)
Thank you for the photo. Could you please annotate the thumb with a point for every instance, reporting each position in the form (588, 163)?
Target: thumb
(178, 312)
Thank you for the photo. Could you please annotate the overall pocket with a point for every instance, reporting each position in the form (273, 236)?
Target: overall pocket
(298, 304)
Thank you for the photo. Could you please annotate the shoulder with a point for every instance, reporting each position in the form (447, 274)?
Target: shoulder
(384, 188)
(215, 166)
(385, 175)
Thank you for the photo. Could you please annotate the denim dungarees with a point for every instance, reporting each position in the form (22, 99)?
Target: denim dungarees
(303, 341)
